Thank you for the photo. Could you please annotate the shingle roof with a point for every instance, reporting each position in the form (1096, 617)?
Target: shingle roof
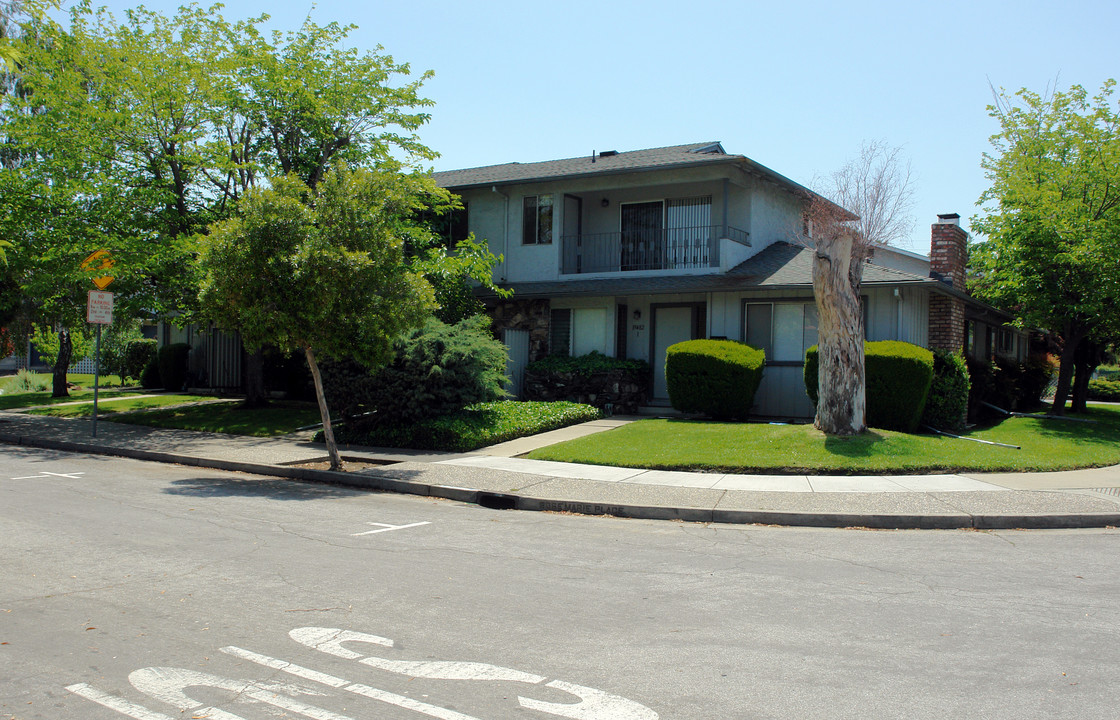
(784, 264)
(651, 159)
(602, 164)
(781, 265)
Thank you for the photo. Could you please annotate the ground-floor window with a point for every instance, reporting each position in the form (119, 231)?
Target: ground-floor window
(578, 331)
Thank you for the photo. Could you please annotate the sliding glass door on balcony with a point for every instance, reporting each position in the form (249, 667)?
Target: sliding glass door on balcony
(641, 236)
(688, 233)
(671, 234)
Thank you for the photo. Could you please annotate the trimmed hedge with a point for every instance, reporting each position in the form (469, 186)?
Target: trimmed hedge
(137, 356)
(947, 403)
(172, 360)
(898, 376)
(715, 377)
(149, 376)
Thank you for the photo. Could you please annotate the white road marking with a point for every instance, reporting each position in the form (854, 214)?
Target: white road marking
(329, 640)
(169, 684)
(385, 527)
(113, 702)
(45, 474)
(356, 688)
(593, 705)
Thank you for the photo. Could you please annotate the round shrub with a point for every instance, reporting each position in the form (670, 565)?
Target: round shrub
(898, 376)
(149, 376)
(173, 365)
(947, 404)
(138, 354)
(715, 377)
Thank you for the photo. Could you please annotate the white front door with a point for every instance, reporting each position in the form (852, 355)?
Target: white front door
(671, 325)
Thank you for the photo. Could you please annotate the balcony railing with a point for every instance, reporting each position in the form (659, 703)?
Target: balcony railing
(647, 249)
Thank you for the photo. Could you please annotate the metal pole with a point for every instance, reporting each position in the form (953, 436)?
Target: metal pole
(96, 376)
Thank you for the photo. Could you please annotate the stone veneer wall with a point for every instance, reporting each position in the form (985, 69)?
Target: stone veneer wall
(531, 315)
(619, 391)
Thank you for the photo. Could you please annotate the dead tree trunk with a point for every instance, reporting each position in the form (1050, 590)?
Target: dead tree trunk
(62, 364)
(841, 385)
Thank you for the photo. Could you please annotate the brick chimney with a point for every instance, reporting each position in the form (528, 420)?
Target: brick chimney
(948, 250)
(948, 256)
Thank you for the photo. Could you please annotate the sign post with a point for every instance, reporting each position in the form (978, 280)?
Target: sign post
(99, 311)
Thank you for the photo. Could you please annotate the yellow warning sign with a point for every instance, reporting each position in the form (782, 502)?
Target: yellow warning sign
(100, 260)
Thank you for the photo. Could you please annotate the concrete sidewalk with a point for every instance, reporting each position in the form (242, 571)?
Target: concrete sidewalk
(493, 478)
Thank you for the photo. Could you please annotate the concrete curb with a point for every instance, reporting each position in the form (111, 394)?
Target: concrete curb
(511, 501)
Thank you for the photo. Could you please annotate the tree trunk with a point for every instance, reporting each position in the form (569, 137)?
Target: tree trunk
(1072, 336)
(62, 364)
(256, 394)
(324, 412)
(841, 387)
(1088, 356)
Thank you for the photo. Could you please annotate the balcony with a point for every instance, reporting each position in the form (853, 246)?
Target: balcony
(647, 249)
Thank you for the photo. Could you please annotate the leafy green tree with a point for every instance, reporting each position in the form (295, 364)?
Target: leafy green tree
(114, 346)
(50, 342)
(135, 134)
(1052, 218)
(322, 270)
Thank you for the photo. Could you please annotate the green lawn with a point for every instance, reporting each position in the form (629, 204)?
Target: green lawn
(761, 448)
(276, 419)
(15, 401)
(107, 404)
(85, 380)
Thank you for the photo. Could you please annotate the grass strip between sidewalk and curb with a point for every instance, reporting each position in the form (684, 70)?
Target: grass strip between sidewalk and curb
(693, 445)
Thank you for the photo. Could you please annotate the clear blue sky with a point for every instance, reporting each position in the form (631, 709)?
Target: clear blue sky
(796, 86)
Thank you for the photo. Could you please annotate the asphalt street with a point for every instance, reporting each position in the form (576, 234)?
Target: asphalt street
(131, 589)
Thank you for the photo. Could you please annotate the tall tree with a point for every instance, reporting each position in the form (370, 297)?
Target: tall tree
(322, 270)
(871, 197)
(1052, 218)
(139, 133)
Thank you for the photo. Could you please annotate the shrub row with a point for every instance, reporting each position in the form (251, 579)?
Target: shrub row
(898, 378)
(1105, 390)
(1007, 384)
(718, 378)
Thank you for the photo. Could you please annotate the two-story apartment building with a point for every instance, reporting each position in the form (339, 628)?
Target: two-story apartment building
(627, 253)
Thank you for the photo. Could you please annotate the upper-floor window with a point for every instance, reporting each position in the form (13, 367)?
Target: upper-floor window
(536, 220)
